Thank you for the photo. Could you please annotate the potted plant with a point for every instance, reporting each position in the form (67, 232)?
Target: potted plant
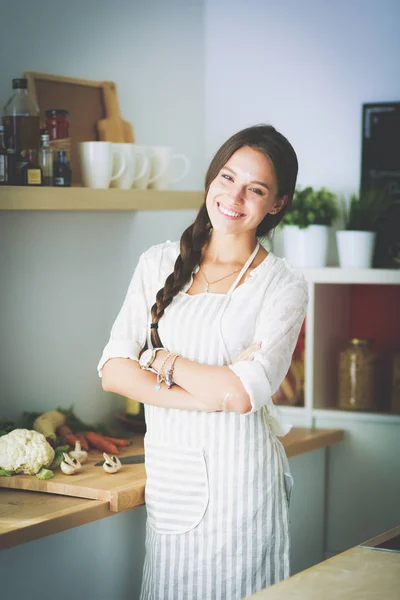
(356, 242)
(306, 227)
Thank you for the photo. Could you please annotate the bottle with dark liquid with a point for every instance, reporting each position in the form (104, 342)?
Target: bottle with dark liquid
(3, 159)
(62, 174)
(31, 173)
(21, 128)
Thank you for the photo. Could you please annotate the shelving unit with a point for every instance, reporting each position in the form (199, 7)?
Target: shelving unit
(339, 299)
(87, 199)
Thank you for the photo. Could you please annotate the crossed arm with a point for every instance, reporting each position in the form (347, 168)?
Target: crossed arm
(198, 386)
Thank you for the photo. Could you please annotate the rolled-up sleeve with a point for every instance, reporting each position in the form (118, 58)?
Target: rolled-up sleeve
(277, 329)
(128, 333)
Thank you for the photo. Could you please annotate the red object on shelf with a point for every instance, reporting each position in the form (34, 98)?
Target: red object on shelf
(375, 315)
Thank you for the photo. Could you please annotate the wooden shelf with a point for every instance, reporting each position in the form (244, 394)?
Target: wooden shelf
(336, 275)
(87, 199)
(356, 415)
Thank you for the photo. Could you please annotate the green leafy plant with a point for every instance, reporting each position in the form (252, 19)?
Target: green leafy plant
(366, 209)
(312, 207)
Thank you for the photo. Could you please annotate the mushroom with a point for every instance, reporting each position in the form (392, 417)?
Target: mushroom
(111, 464)
(78, 453)
(69, 465)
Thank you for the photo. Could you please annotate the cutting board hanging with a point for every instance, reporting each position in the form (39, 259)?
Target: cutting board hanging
(113, 128)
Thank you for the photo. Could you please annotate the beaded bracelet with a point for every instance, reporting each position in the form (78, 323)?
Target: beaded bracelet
(170, 371)
(160, 376)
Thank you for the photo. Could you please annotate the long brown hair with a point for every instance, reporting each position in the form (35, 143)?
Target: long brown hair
(277, 148)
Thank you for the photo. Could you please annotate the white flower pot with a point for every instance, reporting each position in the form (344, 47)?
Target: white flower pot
(355, 249)
(306, 248)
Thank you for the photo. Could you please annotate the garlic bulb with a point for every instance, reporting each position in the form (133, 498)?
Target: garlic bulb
(69, 465)
(78, 453)
(111, 464)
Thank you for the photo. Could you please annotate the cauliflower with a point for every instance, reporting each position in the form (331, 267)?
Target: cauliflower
(25, 451)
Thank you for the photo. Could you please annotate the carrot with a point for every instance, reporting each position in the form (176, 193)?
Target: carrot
(67, 435)
(83, 441)
(117, 441)
(99, 442)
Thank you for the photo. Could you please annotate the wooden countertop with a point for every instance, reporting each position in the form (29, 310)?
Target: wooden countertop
(29, 515)
(358, 574)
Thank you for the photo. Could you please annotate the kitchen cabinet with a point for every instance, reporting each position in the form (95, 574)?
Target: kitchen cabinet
(361, 486)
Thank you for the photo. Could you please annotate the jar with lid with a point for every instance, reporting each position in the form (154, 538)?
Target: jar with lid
(357, 384)
(57, 126)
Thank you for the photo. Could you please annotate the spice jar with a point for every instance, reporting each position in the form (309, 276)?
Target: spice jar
(57, 126)
(357, 376)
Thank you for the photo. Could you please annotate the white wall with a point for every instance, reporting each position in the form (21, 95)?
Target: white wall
(153, 50)
(306, 67)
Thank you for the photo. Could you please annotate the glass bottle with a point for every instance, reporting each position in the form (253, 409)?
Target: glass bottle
(62, 173)
(21, 128)
(46, 159)
(31, 173)
(3, 159)
(357, 376)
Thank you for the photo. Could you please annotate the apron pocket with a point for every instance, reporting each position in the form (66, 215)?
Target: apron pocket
(176, 492)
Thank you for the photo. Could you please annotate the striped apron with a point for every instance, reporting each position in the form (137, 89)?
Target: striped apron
(216, 493)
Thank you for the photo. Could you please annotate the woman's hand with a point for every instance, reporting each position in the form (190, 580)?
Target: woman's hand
(248, 353)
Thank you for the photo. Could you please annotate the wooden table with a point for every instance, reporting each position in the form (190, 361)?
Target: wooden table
(358, 574)
(28, 515)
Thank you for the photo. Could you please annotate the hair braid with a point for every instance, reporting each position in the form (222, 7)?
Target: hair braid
(193, 240)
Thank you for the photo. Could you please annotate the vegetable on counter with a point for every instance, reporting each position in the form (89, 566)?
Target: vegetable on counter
(78, 453)
(66, 434)
(48, 423)
(70, 465)
(4, 473)
(121, 443)
(100, 443)
(58, 456)
(45, 474)
(25, 451)
(83, 441)
(111, 464)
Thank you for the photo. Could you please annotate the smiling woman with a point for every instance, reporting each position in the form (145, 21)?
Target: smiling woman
(204, 338)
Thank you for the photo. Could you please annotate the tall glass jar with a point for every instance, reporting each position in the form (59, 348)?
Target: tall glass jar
(57, 126)
(357, 376)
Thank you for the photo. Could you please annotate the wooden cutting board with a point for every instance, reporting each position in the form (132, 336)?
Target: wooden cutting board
(114, 128)
(123, 490)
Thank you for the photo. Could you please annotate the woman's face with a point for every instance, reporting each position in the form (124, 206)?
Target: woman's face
(243, 193)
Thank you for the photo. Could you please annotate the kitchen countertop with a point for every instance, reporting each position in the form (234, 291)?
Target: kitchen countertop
(357, 574)
(29, 515)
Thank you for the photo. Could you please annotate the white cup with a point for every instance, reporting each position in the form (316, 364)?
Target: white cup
(161, 168)
(142, 181)
(136, 164)
(96, 161)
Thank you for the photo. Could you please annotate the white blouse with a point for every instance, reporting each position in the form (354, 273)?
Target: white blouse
(269, 307)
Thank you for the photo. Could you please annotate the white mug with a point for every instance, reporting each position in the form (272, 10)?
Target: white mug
(162, 158)
(142, 181)
(96, 161)
(136, 164)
